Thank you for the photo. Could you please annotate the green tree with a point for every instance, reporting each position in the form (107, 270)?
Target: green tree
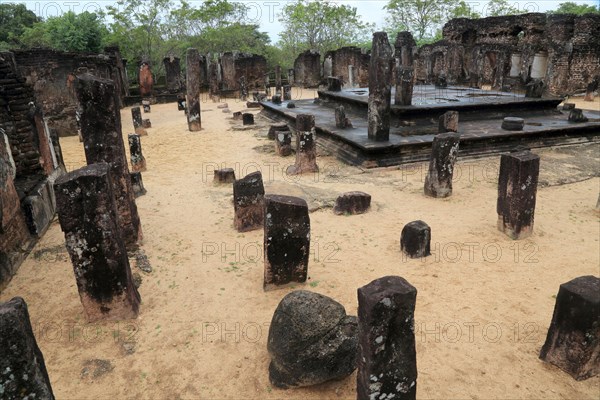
(83, 32)
(495, 8)
(14, 20)
(320, 25)
(573, 8)
(423, 18)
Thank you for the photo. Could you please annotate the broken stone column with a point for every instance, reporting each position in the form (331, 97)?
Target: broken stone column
(405, 45)
(341, 121)
(576, 115)
(193, 90)
(415, 239)
(146, 124)
(276, 99)
(276, 128)
(287, 92)
(248, 202)
(146, 80)
(88, 217)
(138, 162)
(287, 241)
(213, 79)
(103, 142)
(181, 102)
(311, 341)
(380, 88)
(448, 122)
(573, 340)
(444, 150)
(23, 373)
(283, 143)
(138, 123)
(351, 203)
(535, 88)
(146, 106)
(243, 88)
(225, 175)
(517, 188)
(278, 79)
(387, 357)
(334, 84)
(306, 146)
(173, 72)
(137, 184)
(590, 89)
(247, 119)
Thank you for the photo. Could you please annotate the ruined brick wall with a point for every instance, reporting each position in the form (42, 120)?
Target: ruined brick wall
(307, 69)
(52, 75)
(482, 50)
(235, 65)
(342, 58)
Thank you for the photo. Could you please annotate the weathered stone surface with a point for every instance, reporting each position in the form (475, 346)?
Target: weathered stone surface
(517, 188)
(405, 46)
(225, 175)
(311, 341)
(283, 143)
(181, 103)
(444, 150)
(23, 373)
(38, 207)
(88, 217)
(291, 105)
(387, 360)
(307, 69)
(287, 240)
(248, 202)
(341, 121)
(576, 115)
(146, 106)
(193, 75)
(535, 88)
(138, 162)
(275, 129)
(306, 146)
(573, 341)
(248, 119)
(146, 124)
(137, 184)
(278, 79)
(237, 116)
(287, 92)
(415, 239)
(568, 106)
(448, 122)
(276, 99)
(513, 124)
(146, 80)
(380, 88)
(138, 122)
(253, 104)
(334, 84)
(591, 88)
(103, 142)
(173, 72)
(352, 203)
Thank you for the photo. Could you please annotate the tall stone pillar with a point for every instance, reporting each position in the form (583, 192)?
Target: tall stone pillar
(173, 71)
(278, 79)
(306, 146)
(444, 150)
(88, 217)
(193, 90)
(405, 45)
(103, 142)
(387, 357)
(23, 373)
(380, 88)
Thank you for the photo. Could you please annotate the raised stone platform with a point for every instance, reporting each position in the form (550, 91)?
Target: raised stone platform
(413, 127)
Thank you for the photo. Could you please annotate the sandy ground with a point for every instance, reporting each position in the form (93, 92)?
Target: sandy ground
(484, 301)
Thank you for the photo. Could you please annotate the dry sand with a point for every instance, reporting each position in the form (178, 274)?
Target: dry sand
(484, 302)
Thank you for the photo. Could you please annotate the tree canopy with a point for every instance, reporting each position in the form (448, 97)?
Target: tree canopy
(14, 19)
(573, 8)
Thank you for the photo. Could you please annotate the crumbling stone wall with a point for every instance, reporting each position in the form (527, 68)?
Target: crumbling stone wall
(307, 69)
(486, 50)
(52, 75)
(345, 56)
(236, 65)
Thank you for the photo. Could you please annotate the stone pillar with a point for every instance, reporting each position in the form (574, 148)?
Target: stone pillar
(138, 162)
(23, 371)
(88, 217)
(283, 143)
(278, 79)
(380, 90)
(415, 239)
(137, 184)
(243, 88)
(573, 341)
(591, 88)
(351, 203)
(517, 188)
(225, 175)
(275, 129)
(576, 115)
(287, 241)
(287, 92)
(306, 146)
(193, 90)
(146, 106)
(138, 123)
(351, 76)
(387, 358)
(248, 202)
(341, 121)
(146, 80)
(444, 151)
(535, 88)
(247, 119)
(405, 45)
(448, 122)
(291, 76)
(173, 71)
(181, 102)
(103, 142)
(213, 79)
(334, 84)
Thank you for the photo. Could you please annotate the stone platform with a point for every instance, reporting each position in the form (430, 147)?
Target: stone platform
(413, 127)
